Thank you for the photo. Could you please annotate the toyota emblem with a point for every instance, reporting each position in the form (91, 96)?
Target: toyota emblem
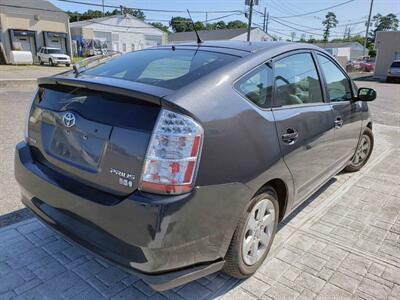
(69, 119)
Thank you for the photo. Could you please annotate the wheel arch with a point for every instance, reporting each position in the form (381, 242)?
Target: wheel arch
(282, 192)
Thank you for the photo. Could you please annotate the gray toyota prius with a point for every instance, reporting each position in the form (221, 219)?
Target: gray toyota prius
(179, 161)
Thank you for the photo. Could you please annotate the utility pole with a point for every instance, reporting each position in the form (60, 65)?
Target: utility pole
(266, 25)
(366, 32)
(345, 33)
(206, 19)
(265, 15)
(102, 4)
(250, 17)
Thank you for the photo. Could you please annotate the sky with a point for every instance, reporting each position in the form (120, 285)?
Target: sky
(353, 14)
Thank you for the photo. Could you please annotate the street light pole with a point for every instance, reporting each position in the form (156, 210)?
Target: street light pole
(250, 17)
(366, 32)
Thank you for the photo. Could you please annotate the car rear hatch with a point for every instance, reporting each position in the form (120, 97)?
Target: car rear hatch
(94, 130)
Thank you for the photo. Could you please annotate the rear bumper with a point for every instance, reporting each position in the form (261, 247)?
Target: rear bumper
(166, 241)
(393, 76)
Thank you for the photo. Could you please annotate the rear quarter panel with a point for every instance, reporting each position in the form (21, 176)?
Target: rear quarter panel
(240, 140)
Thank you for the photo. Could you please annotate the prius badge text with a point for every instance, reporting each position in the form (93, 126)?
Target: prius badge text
(125, 179)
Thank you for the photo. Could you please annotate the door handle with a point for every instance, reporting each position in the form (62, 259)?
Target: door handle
(338, 122)
(290, 136)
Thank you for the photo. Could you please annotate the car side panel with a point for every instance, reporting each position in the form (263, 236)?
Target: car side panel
(240, 142)
(308, 158)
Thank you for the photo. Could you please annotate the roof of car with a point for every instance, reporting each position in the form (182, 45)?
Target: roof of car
(244, 46)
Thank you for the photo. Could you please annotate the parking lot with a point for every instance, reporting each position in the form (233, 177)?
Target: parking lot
(343, 243)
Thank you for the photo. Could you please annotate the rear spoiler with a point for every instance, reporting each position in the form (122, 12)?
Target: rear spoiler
(128, 88)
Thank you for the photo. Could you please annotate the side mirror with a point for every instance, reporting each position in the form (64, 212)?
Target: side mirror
(366, 94)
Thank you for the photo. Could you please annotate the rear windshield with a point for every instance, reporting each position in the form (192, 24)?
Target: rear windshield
(167, 68)
(396, 64)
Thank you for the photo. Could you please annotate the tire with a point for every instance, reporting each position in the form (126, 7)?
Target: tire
(51, 62)
(67, 65)
(356, 165)
(41, 62)
(236, 263)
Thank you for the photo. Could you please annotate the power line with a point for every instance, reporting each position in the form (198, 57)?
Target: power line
(313, 12)
(154, 20)
(315, 28)
(151, 9)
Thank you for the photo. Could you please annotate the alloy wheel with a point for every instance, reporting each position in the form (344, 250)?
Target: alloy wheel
(258, 233)
(362, 151)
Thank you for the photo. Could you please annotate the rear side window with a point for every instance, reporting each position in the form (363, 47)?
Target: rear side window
(297, 81)
(395, 64)
(167, 68)
(257, 86)
(337, 83)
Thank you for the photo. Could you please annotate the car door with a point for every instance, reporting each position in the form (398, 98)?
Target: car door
(347, 112)
(304, 121)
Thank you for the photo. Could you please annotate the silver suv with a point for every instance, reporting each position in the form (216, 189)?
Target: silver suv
(394, 71)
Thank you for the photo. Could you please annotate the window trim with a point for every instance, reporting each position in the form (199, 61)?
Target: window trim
(236, 81)
(316, 53)
(321, 80)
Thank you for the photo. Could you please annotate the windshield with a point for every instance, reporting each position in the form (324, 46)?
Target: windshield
(54, 51)
(166, 68)
(395, 64)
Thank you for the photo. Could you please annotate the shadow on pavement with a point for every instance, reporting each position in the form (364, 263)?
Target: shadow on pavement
(210, 287)
(15, 217)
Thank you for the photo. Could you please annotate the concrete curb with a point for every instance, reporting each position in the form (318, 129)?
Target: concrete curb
(18, 83)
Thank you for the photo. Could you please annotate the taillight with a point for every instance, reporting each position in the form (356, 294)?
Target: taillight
(173, 154)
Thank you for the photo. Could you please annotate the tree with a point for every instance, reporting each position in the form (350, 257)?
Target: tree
(198, 25)
(236, 24)
(160, 26)
(311, 40)
(329, 22)
(180, 24)
(389, 22)
(92, 14)
(303, 38)
(137, 13)
(220, 25)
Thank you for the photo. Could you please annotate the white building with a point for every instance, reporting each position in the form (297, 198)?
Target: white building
(123, 33)
(350, 50)
(239, 34)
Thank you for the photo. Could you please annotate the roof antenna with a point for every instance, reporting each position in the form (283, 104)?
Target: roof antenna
(199, 41)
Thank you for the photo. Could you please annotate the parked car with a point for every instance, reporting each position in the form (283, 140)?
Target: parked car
(179, 161)
(362, 65)
(368, 65)
(53, 56)
(394, 71)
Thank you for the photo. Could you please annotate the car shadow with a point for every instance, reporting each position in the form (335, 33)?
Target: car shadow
(209, 287)
(15, 217)
(230, 282)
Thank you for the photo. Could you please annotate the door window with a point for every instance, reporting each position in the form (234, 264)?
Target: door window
(257, 86)
(297, 81)
(337, 83)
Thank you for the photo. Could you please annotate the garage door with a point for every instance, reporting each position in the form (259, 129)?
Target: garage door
(55, 43)
(102, 36)
(25, 42)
